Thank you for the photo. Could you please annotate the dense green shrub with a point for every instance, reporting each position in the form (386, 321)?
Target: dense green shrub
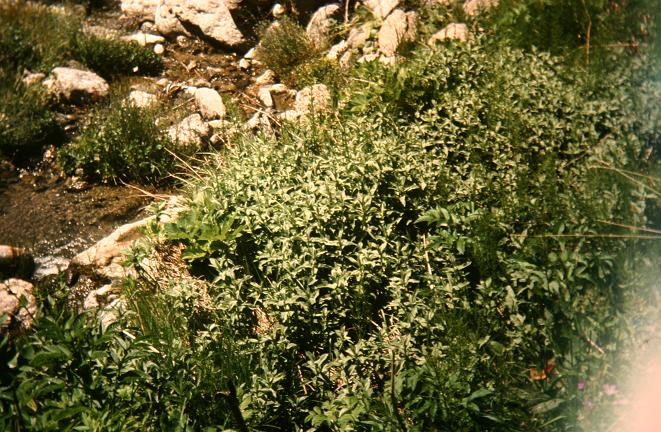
(406, 268)
(26, 124)
(121, 142)
(285, 46)
(35, 37)
(111, 58)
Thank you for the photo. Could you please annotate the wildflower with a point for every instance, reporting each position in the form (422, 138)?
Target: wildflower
(581, 384)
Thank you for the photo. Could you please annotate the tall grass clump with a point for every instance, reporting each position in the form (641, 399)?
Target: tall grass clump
(121, 143)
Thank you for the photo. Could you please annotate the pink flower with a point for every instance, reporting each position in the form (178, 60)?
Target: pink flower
(581, 384)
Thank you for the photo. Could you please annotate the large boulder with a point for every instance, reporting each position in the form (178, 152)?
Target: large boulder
(17, 304)
(399, 27)
(75, 85)
(209, 20)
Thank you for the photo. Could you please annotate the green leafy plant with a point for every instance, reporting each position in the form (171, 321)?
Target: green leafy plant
(111, 58)
(122, 142)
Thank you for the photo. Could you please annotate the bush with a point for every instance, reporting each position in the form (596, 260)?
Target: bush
(121, 143)
(285, 46)
(111, 58)
(407, 267)
(26, 124)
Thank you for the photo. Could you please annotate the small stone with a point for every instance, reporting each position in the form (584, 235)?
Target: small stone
(142, 99)
(345, 60)
(18, 304)
(264, 95)
(191, 131)
(321, 24)
(290, 115)
(315, 98)
(474, 7)
(30, 78)
(250, 55)
(244, 64)
(381, 8)
(258, 120)
(210, 103)
(278, 11)
(336, 50)
(453, 31)
(76, 85)
(268, 77)
(399, 27)
(358, 36)
(159, 49)
(144, 39)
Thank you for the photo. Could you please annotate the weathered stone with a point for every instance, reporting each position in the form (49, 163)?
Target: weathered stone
(336, 50)
(358, 36)
(210, 20)
(264, 95)
(106, 256)
(315, 98)
(142, 99)
(15, 262)
(159, 49)
(258, 120)
(399, 27)
(18, 304)
(474, 7)
(268, 77)
(191, 131)
(76, 85)
(144, 39)
(290, 115)
(453, 31)
(210, 103)
(30, 78)
(250, 55)
(244, 64)
(346, 59)
(381, 8)
(321, 24)
(139, 8)
(278, 11)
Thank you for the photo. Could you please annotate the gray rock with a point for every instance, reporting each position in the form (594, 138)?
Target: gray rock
(210, 103)
(474, 7)
(278, 11)
(321, 24)
(336, 50)
(315, 98)
(18, 304)
(209, 20)
(453, 31)
(399, 27)
(381, 8)
(192, 131)
(76, 85)
(268, 77)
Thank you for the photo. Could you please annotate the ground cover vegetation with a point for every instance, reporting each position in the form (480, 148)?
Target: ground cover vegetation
(37, 38)
(457, 247)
